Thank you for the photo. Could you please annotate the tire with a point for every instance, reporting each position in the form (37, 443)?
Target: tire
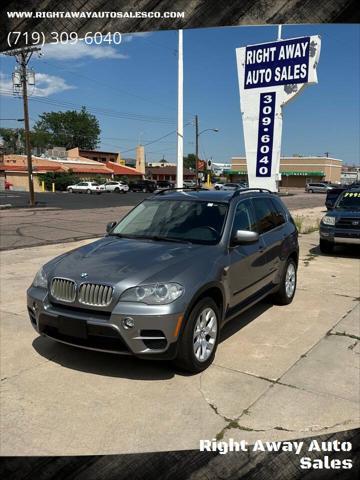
(70, 190)
(88, 191)
(310, 191)
(326, 247)
(144, 190)
(287, 287)
(186, 358)
(117, 190)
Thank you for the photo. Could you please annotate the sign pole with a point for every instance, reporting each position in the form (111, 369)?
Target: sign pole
(180, 129)
(197, 149)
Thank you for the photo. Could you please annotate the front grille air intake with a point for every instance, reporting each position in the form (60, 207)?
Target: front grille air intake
(63, 289)
(95, 294)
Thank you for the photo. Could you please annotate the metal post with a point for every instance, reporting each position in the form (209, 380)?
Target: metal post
(180, 129)
(23, 62)
(197, 148)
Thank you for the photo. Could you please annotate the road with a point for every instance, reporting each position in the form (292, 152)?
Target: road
(71, 201)
(68, 201)
(63, 217)
(279, 373)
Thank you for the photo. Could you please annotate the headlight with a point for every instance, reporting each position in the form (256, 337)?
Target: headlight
(153, 294)
(40, 279)
(327, 220)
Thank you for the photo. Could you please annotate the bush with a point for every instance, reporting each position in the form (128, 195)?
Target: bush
(61, 179)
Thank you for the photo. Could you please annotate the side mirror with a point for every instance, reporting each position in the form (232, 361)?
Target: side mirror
(110, 226)
(244, 236)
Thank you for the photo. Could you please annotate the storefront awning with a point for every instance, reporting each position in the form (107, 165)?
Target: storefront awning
(308, 173)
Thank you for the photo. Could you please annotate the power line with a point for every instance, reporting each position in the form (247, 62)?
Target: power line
(156, 140)
(98, 110)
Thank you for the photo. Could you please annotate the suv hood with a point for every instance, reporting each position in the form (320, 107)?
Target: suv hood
(114, 260)
(345, 213)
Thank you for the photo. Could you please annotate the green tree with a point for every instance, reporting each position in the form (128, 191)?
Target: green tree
(189, 161)
(61, 179)
(13, 140)
(69, 129)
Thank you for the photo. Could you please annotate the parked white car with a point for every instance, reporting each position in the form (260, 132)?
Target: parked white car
(117, 187)
(189, 183)
(232, 186)
(86, 187)
(218, 185)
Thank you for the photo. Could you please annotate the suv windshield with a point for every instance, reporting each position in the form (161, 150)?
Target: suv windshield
(349, 201)
(174, 220)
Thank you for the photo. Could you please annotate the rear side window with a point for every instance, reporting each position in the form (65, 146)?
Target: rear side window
(279, 216)
(266, 215)
(243, 217)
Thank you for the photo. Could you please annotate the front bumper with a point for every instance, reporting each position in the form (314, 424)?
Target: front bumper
(155, 331)
(338, 235)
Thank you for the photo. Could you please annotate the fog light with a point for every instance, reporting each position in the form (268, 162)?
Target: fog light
(128, 322)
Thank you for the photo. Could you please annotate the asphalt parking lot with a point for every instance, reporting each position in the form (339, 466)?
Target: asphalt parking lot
(63, 217)
(279, 372)
(71, 201)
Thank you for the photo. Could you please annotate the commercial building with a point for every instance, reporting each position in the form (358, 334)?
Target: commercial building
(295, 171)
(13, 169)
(167, 173)
(96, 155)
(350, 174)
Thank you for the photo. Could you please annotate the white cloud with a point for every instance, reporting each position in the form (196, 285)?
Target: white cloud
(6, 84)
(128, 37)
(45, 85)
(80, 50)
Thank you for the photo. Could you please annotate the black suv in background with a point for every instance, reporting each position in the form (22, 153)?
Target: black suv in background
(162, 184)
(146, 186)
(341, 225)
(332, 195)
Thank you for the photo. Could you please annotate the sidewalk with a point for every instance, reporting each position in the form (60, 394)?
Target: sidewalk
(279, 373)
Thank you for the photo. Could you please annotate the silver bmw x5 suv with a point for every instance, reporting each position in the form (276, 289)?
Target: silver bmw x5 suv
(169, 275)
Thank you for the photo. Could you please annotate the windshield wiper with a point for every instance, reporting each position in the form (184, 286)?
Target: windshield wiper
(168, 239)
(150, 237)
(121, 235)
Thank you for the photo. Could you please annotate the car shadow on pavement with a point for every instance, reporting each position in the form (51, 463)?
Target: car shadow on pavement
(123, 366)
(243, 319)
(350, 251)
(101, 363)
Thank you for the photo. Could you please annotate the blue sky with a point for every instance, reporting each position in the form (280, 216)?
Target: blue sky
(137, 80)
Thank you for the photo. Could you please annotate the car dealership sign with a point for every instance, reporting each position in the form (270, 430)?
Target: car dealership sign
(270, 75)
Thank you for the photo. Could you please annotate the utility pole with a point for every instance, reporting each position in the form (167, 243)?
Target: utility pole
(197, 149)
(180, 128)
(23, 57)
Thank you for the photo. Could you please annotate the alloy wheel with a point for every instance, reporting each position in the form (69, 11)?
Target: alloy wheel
(205, 333)
(290, 280)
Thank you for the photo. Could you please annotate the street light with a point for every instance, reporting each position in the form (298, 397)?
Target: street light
(197, 135)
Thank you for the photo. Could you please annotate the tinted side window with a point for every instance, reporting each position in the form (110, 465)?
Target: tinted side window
(243, 218)
(265, 215)
(278, 213)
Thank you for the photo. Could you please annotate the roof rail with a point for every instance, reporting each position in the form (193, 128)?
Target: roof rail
(246, 190)
(161, 192)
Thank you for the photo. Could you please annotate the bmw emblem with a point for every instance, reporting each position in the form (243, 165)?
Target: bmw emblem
(84, 275)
